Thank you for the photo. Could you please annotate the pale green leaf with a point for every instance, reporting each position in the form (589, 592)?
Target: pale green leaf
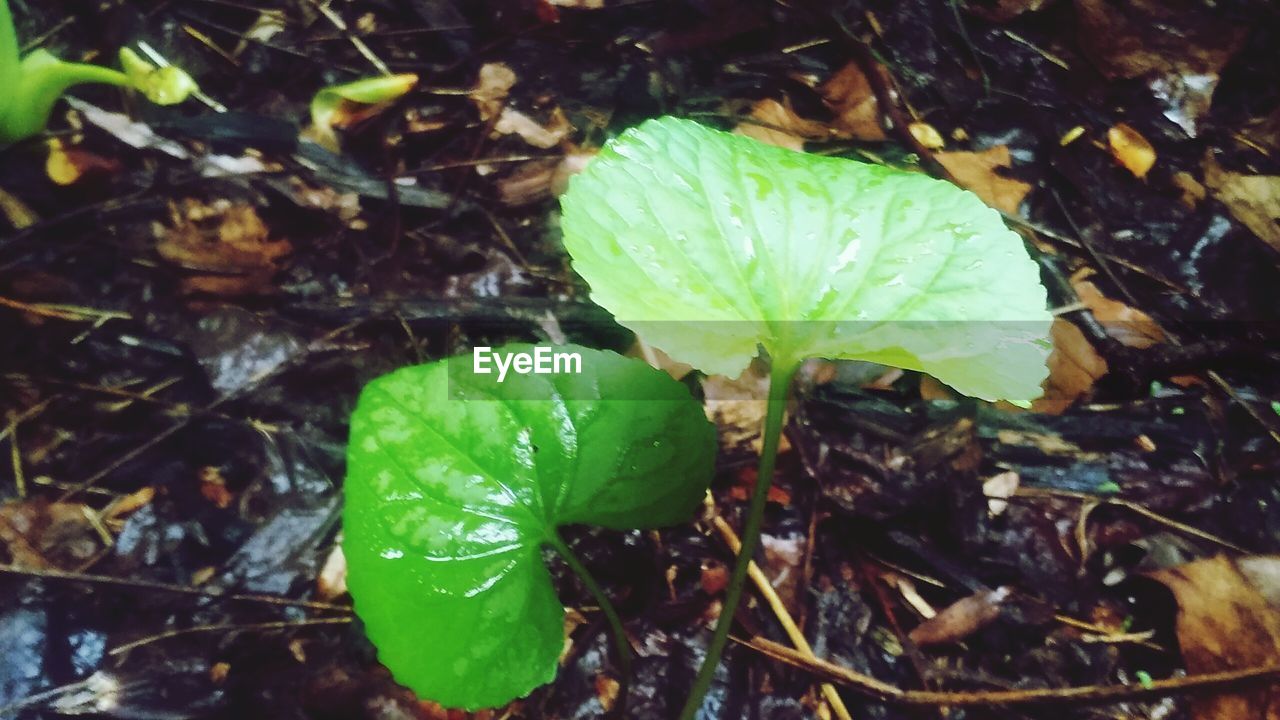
(709, 245)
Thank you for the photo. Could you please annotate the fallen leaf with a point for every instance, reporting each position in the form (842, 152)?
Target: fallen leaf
(849, 96)
(213, 487)
(778, 124)
(998, 489)
(926, 135)
(737, 407)
(960, 619)
(1129, 326)
(331, 582)
(1254, 200)
(40, 535)
(491, 90)
(978, 172)
(226, 241)
(1074, 364)
(514, 122)
(783, 565)
(1131, 150)
(1225, 622)
(538, 180)
(66, 165)
(714, 578)
(1178, 46)
(16, 212)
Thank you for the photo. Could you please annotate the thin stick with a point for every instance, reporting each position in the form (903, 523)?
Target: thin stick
(359, 44)
(622, 646)
(779, 609)
(278, 625)
(168, 587)
(1100, 694)
(779, 381)
(1134, 507)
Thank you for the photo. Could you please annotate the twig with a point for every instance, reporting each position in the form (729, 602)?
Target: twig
(1099, 694)
(356, 42)
(168, 587)
(1135, 507)
(278, 625)
(775, 603)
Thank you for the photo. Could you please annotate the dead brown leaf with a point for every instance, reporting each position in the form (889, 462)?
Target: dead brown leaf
(40, 535)
(538, 180)
(849, 96)
(1225, 623)
(514, 122)
(1131, 150)
(491, 90)
(777, 123)
(737, 407)
(961, 619)
(1129, 326)
(1074, 364)
(979, 173)
(1254, 200)
(226, 243)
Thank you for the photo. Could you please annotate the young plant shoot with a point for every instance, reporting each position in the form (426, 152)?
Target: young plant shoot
(455, 483)
(710, 246)
(339, 106)
(32, 84)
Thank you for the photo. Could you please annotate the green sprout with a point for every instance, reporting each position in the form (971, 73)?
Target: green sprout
(711, 246)
(338, 106)
(32, 84)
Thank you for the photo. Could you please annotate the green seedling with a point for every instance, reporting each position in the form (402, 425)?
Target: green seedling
(455, 482)
(341, 105)
(711, 246)
(29, 86)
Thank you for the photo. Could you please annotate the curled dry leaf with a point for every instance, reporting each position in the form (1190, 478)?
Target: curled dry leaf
(1226, 622)
(1254, 200)
(979, 172)
(961, 619)
(491, 90)
(1074, 364)
(1129, 326)
(776, 123)
(1131, 150)
(514, 122)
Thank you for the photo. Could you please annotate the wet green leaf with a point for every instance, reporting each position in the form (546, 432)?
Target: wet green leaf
(454, 483)
(710, 245)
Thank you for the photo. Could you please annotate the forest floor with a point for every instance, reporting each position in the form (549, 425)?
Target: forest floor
(191, 299)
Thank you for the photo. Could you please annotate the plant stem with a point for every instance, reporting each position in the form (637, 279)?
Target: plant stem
(621, 646)
(779, 382)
